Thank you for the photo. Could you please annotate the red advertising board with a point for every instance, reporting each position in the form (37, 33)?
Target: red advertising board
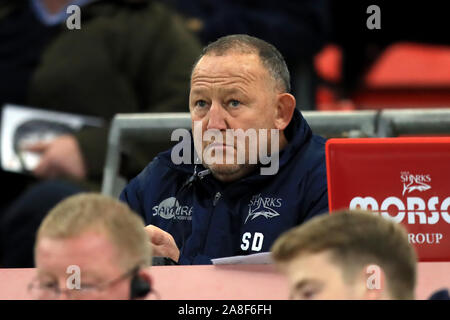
(406, 180)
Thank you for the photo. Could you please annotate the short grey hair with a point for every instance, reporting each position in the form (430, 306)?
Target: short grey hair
(85, 212)
(270, 57)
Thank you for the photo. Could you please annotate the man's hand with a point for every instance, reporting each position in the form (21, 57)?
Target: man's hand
(163, 244)
(61, 157)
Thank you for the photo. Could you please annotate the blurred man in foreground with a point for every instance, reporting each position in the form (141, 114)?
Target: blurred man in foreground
(347, 255)
(97, 239)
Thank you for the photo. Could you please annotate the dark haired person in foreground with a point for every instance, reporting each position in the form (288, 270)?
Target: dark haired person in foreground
(206, 208)
(347, 255)
(91, 247)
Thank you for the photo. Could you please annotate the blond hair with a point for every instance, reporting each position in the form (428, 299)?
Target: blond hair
(355, 239)
(95, 212)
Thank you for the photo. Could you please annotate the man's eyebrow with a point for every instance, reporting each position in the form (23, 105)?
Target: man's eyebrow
(303, 283)
(43, 274)
(197, 90)
(234, 90)
(91, 276)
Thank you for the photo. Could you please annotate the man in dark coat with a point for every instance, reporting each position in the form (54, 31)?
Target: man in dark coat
(217, 202)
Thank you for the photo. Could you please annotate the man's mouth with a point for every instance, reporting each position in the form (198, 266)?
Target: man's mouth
(216, 145)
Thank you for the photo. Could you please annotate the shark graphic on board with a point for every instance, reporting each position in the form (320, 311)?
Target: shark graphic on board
(420, 186)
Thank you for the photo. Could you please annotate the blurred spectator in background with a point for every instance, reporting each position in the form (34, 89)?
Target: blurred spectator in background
(128, 56)
(425, 23)
(298, 28)
(347, 255)
(103, 239)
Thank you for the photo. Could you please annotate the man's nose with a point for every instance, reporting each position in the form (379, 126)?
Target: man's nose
(216, 119)
(65, 294)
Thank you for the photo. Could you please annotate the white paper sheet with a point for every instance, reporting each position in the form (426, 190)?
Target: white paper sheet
(257, 258)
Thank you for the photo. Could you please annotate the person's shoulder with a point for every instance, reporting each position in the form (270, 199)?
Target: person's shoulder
(136, 10)
(145, 24)
(152, 174)
(124, 11)
(156, 168)
(315, 150)
(318, 141)
(311, 160)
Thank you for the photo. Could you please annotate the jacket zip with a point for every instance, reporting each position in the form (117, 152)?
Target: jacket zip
(216, 198)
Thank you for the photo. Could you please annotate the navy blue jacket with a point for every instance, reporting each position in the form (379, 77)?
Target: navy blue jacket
(209, 219)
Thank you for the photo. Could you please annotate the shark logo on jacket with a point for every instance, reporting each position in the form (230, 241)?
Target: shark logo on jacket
(264, 207)
(170, 208)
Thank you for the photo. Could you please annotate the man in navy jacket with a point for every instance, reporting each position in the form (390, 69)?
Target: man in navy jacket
(204, 209)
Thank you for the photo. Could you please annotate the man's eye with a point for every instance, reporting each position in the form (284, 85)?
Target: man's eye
(309, 294)
(201, 103)
(234, 103)
(88, 286)
(48, 285)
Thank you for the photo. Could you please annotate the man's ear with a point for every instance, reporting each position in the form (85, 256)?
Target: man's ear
(375, 283)
(284, 110)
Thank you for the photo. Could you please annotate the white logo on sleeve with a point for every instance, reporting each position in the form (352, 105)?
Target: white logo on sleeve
(170, 208)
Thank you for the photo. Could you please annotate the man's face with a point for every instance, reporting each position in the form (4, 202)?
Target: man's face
(97, 259)
(233, 91)
(316, 277)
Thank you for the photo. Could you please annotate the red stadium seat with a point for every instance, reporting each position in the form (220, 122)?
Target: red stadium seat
(406, 75)
(403, 179)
